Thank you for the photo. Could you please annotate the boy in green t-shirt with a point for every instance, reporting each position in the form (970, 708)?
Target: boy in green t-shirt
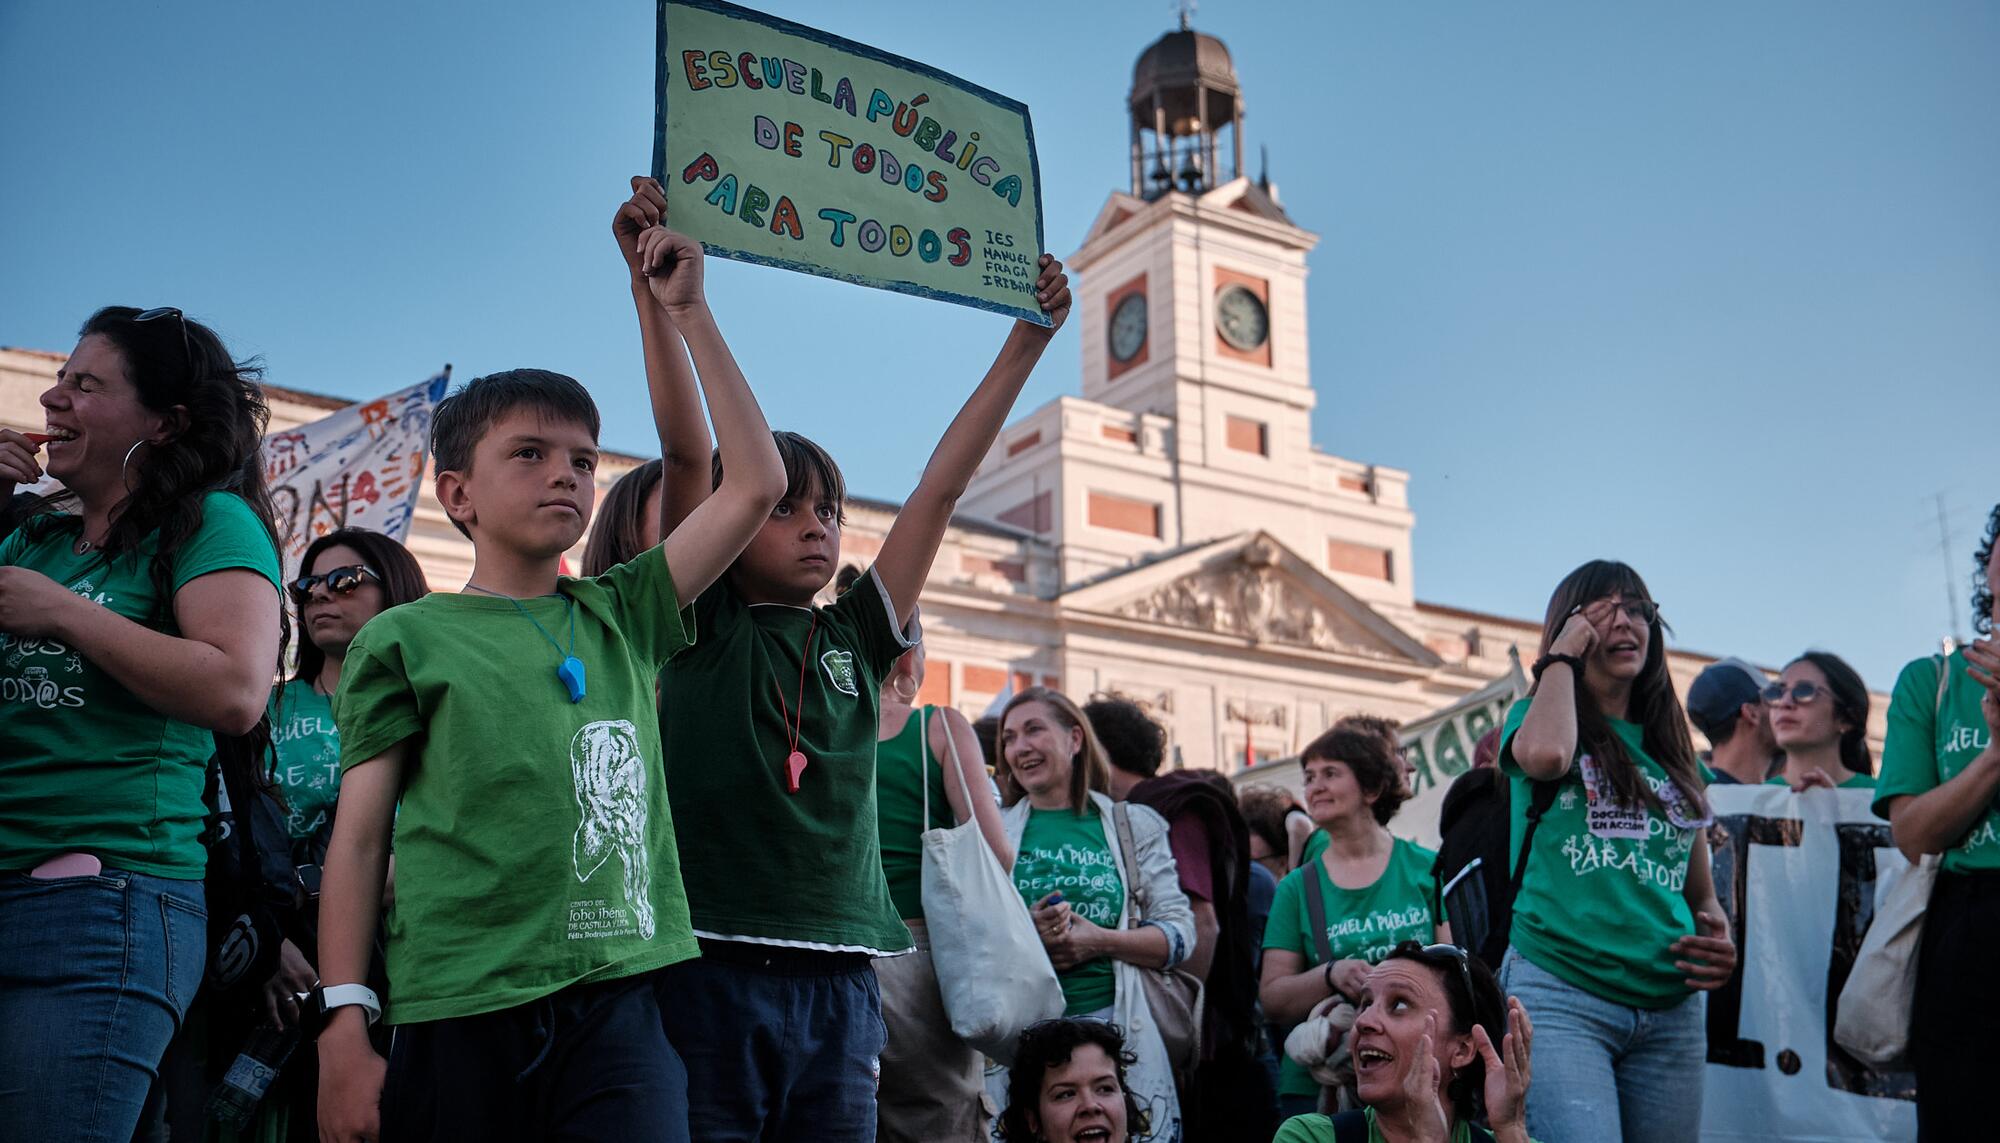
(507, 737)
(770, 730)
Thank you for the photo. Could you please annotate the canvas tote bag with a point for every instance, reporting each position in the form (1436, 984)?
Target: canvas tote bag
(1878, 998)
(993, 974)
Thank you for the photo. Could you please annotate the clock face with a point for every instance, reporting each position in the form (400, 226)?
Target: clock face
(1128, 327)
(1241, 319)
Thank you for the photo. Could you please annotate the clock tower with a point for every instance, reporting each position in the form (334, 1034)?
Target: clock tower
(1196, 415)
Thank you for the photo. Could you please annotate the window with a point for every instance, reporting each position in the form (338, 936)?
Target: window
(1034, 515)
(1246, 435)
(1361, 559)
(1120, 514)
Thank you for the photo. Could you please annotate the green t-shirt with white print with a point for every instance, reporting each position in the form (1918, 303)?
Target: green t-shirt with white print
(1603, 895)
(86, 765)
(1931, 742)
(534, 845)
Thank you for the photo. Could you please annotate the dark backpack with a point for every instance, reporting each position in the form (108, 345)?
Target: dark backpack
(1475, 883)
(250, 877)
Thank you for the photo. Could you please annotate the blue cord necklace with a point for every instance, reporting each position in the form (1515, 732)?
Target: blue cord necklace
(570, 672)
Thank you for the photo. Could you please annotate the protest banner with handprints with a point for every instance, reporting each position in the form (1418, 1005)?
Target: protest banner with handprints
(362, 467)
(786, 146)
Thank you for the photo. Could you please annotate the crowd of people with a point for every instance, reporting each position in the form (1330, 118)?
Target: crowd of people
(646, 853)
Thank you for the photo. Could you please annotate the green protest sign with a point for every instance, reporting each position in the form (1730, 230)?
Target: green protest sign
(786, 146)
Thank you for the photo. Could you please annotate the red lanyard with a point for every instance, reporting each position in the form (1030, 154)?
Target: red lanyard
(795, 762)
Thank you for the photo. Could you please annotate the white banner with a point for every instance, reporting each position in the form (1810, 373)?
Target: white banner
(362, 467)
(1799, 876)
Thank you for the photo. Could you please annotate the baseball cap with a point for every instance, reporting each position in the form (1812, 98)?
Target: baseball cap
(1720, 691)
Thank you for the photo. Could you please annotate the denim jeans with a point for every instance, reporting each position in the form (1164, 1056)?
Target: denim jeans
(780, 1044)
(95, 975)
(1606, 1073)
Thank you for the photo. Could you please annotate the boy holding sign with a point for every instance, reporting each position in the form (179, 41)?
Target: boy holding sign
(506, 737)
(770, 729)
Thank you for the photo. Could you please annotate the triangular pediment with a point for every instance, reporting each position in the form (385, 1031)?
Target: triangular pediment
(1117, 210)
(1250, 587)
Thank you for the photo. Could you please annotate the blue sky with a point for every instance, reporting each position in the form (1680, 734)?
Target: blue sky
(1709, 287)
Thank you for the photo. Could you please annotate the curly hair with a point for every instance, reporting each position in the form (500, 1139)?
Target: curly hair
(1133, 742)
(1050, 1044)
(1982, 588)
(1367, 754)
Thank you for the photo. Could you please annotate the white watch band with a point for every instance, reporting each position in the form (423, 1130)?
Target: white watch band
(341, 995)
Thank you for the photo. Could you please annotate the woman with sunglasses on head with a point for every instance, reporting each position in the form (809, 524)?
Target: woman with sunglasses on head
(1372, 890)
(139, 619)
(1440, 1056)
(1616, 927)
(1940, 790)
(1819, 718)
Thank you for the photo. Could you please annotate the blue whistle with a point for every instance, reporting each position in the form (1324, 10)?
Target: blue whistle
(570, 674)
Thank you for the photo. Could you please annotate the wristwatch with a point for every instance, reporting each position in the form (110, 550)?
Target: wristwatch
(324, 998)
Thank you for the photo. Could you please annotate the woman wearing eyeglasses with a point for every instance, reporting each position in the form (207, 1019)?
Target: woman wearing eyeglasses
(1616, 927)
(1438, 1053)
(1940, 791)
(1819, 717)
(139, 618)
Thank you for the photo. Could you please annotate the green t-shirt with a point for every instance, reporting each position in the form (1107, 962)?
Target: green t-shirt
(534, 845)
(1319, 1129)
(1930, 743)
(1316, 843)
(1602, 898)
(763, 865)
(1854, 782)
(899, 809)
(85, 765)
(308, 748)
(1065, 852)
(1362, 924)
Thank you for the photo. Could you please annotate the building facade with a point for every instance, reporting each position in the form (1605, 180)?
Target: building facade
(1171, 535)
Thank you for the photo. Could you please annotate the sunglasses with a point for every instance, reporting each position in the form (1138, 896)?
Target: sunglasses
(1801, 692)
(1463, 960)
(1637, 610)
(187, 347)
(340, 581)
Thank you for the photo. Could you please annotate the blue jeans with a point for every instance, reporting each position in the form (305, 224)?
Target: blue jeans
(1606, 1073)
(785, 1050)
(95, 975)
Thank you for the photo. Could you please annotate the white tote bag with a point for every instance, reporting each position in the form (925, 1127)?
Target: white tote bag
(991, 969)
(1877, 1001)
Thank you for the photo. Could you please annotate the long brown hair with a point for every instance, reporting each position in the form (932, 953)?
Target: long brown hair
(1655, 706)
(402, 582)
(615, 536)
(1088, 769)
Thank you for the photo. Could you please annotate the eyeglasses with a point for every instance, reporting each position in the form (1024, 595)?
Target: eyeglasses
(187, 347)
(340, 581)
(1801, 692)
(1643, 611)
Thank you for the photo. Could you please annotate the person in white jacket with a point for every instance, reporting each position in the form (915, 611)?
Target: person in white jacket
(1072, 871)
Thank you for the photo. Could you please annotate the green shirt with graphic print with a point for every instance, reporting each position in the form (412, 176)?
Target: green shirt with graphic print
(1602, 897)
(307, 744)
(1362, 924)
(86, 765)
(763, 864)
(1930, 742)
(534, 845)
(1065, 852)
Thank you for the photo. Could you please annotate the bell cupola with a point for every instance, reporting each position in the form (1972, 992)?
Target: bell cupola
(1184, 99)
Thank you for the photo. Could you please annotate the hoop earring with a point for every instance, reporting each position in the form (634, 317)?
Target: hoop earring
(905, 689)
(124, 476)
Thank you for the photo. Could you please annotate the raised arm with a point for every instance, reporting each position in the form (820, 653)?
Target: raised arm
(216, 674)
(1546, 740)
(670, 381)
(357, 860)
(703, 545)
(905, 561)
